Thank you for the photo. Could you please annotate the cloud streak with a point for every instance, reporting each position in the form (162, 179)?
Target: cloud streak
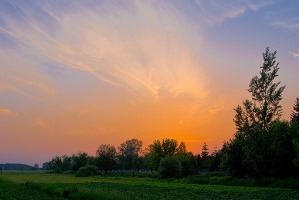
(216, 12)
(295, 54)
(7, 112)
(139, 47)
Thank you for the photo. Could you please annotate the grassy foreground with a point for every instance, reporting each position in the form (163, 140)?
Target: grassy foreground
(12, 191)
(44, 186)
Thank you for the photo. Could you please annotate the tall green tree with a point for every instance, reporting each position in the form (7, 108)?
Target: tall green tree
(247, 154)
(264, 107)
(295, 112)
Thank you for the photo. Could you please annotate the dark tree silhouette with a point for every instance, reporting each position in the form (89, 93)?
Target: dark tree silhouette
(159, 150)
(79, 160)
(264, 108)
(295, 112)
(260, 134)
(130, 150)
(204, 151)
(106, 157)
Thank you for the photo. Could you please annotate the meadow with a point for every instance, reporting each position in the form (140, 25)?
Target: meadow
(54, 186)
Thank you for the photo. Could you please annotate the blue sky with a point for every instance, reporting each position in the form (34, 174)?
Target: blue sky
(76, 74)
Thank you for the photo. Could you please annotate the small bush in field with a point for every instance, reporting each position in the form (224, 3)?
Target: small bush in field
(170, 167)
(67, 191)
(88, 170)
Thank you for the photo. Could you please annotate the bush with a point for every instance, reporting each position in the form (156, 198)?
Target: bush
(67, 191)
(88, 170)
(170, 167)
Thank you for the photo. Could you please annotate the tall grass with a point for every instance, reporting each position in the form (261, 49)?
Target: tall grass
(72, 191)
(291, 183)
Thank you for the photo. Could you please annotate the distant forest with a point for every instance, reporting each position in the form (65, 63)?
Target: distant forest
(17, 166)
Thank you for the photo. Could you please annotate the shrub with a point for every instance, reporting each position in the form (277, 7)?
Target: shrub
(69, 190)
(88, 170)
(170, 167)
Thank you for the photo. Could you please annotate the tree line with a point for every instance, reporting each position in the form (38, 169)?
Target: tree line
(167, 156)
(17, 166)
(263, 145)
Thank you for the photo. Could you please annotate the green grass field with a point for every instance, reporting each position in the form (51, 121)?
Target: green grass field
(51, 186)
(12, 191)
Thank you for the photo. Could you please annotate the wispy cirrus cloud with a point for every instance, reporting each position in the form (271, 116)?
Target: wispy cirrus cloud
(293, 24)
(7, 112)
(295, 54)
(41, 123)
(215, 12)
(138, 47)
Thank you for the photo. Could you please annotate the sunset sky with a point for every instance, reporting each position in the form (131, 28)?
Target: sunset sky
(77, 74)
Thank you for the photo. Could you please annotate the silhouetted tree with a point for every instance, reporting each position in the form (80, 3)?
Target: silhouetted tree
(66, 163)
(204, 151)
(156, 154)
(295, 112)
(106, 157)
(159, 150)
(181, 149)
(169, 146)
(205, 158)
(55, 164)
(264, 108)
(247, 153)
(79, 160)
(129, 153)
